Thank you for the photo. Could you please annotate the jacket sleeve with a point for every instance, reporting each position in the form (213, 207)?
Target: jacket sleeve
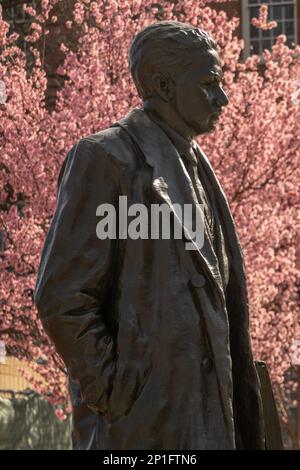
(75, 273)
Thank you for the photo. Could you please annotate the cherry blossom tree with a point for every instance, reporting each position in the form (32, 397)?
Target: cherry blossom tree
(255, 151)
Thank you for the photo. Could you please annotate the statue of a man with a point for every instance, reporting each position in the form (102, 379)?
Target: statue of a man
(154, 335)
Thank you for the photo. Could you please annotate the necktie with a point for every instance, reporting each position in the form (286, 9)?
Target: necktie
(219, 243)
(191, 165)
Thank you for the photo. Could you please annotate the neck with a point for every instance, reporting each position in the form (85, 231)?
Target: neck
(169, 115)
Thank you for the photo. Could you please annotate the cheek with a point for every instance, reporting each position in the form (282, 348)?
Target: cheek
(189, 103)
(200, 99)
(186, 101)
(193, 103)
(201, 106)
(204, 98)
(203, 94)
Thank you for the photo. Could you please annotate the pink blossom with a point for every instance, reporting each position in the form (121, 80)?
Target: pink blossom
(254, 150)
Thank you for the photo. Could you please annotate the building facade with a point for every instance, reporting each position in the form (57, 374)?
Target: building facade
(285, 12)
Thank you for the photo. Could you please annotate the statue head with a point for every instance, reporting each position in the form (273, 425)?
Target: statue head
(177, 71)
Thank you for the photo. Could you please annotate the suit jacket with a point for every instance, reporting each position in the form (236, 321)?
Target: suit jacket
(158, 356)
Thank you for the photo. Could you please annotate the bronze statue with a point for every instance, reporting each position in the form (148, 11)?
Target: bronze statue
(154, 336)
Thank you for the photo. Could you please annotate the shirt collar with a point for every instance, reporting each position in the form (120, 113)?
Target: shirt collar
(182, 144)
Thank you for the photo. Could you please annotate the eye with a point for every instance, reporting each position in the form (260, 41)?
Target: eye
(211, 82)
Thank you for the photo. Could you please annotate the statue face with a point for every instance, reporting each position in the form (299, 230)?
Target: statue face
(198, 96)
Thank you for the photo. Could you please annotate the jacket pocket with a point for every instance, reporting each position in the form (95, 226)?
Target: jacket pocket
(128, 384)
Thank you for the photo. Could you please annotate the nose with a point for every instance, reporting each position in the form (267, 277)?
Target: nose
(221, 97)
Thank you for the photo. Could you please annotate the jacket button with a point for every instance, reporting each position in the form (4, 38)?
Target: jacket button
(207, 364)
(198, 280)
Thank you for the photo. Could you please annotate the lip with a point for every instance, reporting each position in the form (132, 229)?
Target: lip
(215, 116)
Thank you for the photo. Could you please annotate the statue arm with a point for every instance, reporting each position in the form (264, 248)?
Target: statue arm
(75, 273)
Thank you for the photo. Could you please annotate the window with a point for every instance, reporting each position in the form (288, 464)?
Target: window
(281, 11)
(18, 20)
(13, 11)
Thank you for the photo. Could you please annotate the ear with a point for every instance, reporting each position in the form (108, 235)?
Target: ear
(163, 85)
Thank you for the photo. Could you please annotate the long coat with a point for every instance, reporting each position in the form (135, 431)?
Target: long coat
(158, 355)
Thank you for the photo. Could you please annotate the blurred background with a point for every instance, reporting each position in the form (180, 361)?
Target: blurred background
(63, 75)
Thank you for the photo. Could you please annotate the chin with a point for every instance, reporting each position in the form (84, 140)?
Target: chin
(200, 129)
(204, 127)
(210, 127)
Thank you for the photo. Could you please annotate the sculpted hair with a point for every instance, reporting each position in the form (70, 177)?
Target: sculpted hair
(164, 47)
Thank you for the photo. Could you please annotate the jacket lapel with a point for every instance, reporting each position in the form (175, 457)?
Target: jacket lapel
(235, 251)
(170, 181)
